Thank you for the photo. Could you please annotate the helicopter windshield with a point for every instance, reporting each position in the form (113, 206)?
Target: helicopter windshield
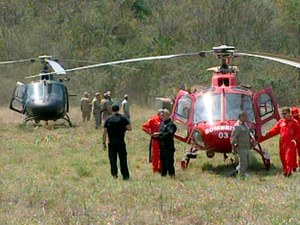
(40, 91)
(236, 103)
(208, 108)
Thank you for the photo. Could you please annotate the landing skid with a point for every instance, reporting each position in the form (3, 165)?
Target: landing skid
(265, 156)
(26, 119)
(188, 156)
(191, 155)
(67, 118)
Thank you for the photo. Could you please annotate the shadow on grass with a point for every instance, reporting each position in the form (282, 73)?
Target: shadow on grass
(61, 125)
(256, 168)
(50, 126)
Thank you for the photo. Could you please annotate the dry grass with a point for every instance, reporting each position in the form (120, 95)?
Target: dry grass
(61, 176)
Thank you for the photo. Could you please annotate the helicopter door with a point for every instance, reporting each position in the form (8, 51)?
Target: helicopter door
(66, 100)
(18, 99)
(182, 115)
(266, 112)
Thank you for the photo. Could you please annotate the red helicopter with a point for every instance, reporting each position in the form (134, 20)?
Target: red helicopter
(205, 118)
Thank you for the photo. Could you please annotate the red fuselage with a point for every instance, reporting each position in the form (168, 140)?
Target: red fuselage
(217, 110)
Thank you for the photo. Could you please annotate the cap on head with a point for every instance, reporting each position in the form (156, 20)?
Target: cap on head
(166, 111)
(115, 107)
(97, 94)
(126, 96)
(295, 111)
(86, 93)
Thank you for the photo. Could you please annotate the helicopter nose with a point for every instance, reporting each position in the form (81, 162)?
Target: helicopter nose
(46, 110)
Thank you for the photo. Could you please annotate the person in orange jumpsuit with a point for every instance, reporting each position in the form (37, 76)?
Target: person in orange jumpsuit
(288, 128)
(296, 116)
(152, 125)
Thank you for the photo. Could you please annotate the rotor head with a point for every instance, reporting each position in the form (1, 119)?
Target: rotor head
(42, 57)
(224, 52)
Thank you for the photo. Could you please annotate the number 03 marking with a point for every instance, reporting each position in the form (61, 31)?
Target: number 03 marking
(224, 135)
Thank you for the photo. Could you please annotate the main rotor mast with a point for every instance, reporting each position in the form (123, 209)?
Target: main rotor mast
(225, 53)
(45, 67)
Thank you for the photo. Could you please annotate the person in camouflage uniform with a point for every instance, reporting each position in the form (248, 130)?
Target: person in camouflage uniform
(106, 107)
(241, 143)
(85, 107)
(125, 107)
(96, 109)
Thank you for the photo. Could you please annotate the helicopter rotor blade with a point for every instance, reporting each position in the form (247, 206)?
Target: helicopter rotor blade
(94, 62)
(79, 61)
(124, 61)
(17, 61)
(56, 67)
(276, 58)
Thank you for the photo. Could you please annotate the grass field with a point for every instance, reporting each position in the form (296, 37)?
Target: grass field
(61, 175)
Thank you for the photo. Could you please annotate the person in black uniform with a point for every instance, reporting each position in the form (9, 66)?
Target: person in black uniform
(115, 127)
(166, 144)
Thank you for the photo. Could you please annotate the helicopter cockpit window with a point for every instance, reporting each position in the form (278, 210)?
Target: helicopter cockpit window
(36, 91)
(208, 89)
(235, 103)
(266, 105)
(20, 92)
(241, 89)
(40, 91)
(55, 92)
(207, 108)
(184, 108)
